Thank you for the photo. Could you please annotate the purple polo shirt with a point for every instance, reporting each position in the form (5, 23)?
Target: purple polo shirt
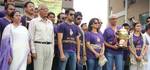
(94, 38)
(70, 32)
(109, 37)
(138, 43)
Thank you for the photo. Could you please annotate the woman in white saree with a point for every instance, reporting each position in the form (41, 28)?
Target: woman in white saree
(19, 42)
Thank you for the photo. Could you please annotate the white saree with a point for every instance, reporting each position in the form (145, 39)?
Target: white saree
(20, 46)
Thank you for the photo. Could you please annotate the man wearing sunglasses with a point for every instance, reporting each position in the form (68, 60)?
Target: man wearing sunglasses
(60, 19)
(68, 42)
(77, 20)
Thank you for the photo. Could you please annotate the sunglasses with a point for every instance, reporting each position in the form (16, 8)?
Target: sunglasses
(44, 9)
(79, 18)
(98, 23)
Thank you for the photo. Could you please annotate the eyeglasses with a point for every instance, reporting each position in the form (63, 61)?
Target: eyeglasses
(71, 14)
(79, 18)
(44, 9)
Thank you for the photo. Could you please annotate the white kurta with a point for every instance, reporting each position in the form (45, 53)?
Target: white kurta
(20, 47)
(148, 51)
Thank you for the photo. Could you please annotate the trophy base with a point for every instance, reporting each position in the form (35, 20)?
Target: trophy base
(122, 47)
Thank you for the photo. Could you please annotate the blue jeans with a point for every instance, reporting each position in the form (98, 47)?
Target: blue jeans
(114, 58)
(92, 64)
(79, 65)
(70, 63)
(55, 63)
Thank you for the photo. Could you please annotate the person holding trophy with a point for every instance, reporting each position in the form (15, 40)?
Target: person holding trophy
(95, 45)
(114, 52)
(138, 48)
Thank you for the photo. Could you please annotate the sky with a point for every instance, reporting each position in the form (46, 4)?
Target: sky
(93, 9)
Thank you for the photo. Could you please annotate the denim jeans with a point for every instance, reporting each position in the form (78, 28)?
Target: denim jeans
(79, 65)
(92, 64)
(55, 63)
(70, 63)
(114, 58)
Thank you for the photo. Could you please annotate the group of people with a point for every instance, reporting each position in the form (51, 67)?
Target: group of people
(35, 41)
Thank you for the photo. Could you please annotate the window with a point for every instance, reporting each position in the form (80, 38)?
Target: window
(130, 2)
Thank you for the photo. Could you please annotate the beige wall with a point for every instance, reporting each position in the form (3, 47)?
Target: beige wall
(140, 7)
(117, 5)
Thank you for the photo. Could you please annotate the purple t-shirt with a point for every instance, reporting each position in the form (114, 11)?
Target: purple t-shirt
(70, 32)
(3, 23)
(138, 43)
(109, 37)
(96, 39)
(24, 21)
(2, 14)
(56, 51)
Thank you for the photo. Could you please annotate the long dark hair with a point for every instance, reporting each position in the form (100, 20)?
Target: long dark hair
(135, 23)
(92, 21)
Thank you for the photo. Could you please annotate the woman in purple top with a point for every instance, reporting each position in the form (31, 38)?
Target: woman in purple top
(137, 48)
(95, 44)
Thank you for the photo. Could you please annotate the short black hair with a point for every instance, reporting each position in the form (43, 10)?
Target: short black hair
(68, 10)
(126, 24)
(78, 14)
(8, 4)
(51, 13)
(147, 19)
(58, 16)
(26, 4)
(83, 24)
(13, 13)
(147, 27)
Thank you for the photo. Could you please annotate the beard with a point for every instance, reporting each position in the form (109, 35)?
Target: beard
(10, 14)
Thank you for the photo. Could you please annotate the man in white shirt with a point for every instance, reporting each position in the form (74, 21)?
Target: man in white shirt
(42, 40)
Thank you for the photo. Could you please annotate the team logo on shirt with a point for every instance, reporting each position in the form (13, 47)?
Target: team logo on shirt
(98, 39)
(71, 32)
